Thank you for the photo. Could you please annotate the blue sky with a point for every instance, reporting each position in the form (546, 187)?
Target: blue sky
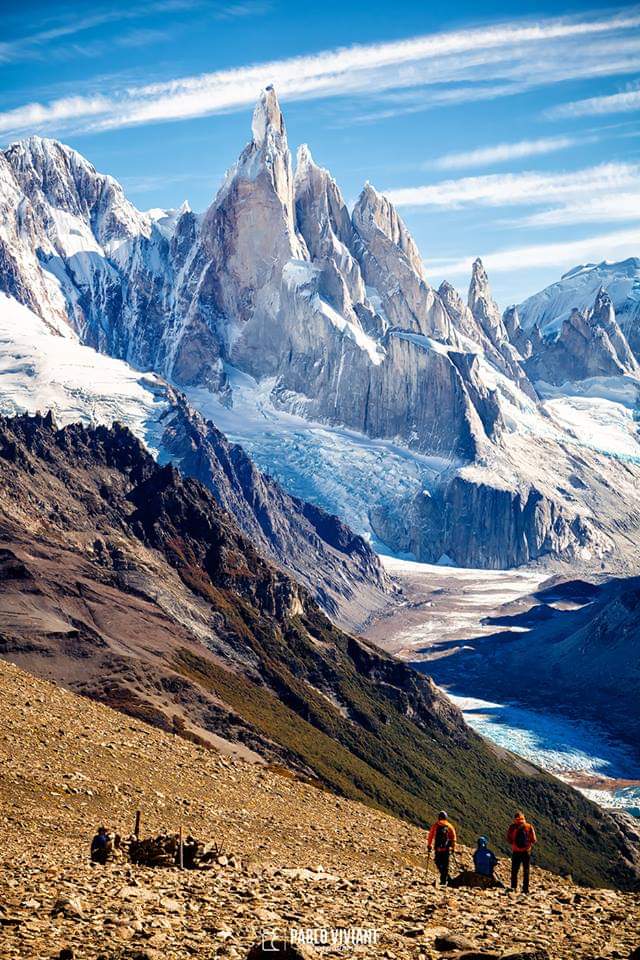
(512, 134)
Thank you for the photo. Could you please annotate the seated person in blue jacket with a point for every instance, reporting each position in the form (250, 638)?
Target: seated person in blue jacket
(484, 860)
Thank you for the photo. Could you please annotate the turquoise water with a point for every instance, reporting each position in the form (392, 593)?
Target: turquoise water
(561, 746)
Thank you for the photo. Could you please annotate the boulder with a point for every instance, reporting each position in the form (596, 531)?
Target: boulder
(452, 941)
(525, 953)
(70, 908)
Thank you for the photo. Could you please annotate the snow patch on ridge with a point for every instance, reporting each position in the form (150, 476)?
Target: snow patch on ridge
(41, 371)
(578, 288)
(354, 332)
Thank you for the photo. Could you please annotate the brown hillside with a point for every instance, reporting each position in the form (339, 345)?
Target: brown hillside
(127, 582)
(302, 856)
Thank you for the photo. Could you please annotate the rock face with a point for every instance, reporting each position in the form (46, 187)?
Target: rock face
(392, 268)
(291, 849)
(493, 525)
(40, 371)
(486, 313)
(588, 344)
(81, 253)
(578, 289)
(334, 317)
(249, 231)
(337, 567)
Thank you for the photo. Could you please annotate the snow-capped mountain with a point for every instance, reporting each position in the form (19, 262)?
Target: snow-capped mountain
(578, 289)
(587, 344)
(585, 326)
(312, 335)
(41, 371)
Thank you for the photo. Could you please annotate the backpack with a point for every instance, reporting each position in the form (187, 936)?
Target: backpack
(443, 840)
(521, 838)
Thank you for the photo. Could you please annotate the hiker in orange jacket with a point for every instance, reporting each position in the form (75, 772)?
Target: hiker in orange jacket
(522, 837)
(442, 838)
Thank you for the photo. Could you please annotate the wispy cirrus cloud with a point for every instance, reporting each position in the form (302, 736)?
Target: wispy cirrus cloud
(618, 245)
(34, 116)
(625, 102)
(599, 209)
(503, 153)
(435, 69)
(514, 189)
(66, 36)
(605, 193)
(64, 28)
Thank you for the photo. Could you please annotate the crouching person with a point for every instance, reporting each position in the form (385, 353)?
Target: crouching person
(484, 859)
(101, 846)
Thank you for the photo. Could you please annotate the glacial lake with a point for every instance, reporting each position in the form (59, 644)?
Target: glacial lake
(572, 750)
(448, 605)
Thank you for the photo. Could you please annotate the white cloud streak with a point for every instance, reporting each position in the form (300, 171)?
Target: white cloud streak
(624, 102)
(489, 61)
(608, 208)
(503, 153)
(34, 115)
(620, 245)
(66, 37)
(33, 44)
(512, 189)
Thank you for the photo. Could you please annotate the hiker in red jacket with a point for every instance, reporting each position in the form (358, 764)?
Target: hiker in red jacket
(442, 837)
(522, 837)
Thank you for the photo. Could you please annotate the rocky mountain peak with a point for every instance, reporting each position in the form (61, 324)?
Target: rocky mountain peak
(588, 343)
(323, 220)
(267, 117)
(479, 280)
(374, 211)
(483, 306)
(603, 307)
(450, 296)
(249, 232)
(304, 160)
(486, 314)
(511, 320)
(55, 177)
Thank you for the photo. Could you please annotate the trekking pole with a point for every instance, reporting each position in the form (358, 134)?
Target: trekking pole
(428, 862)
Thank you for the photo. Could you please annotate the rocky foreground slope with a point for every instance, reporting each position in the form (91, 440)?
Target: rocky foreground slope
(127, 582)
(295, 856)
